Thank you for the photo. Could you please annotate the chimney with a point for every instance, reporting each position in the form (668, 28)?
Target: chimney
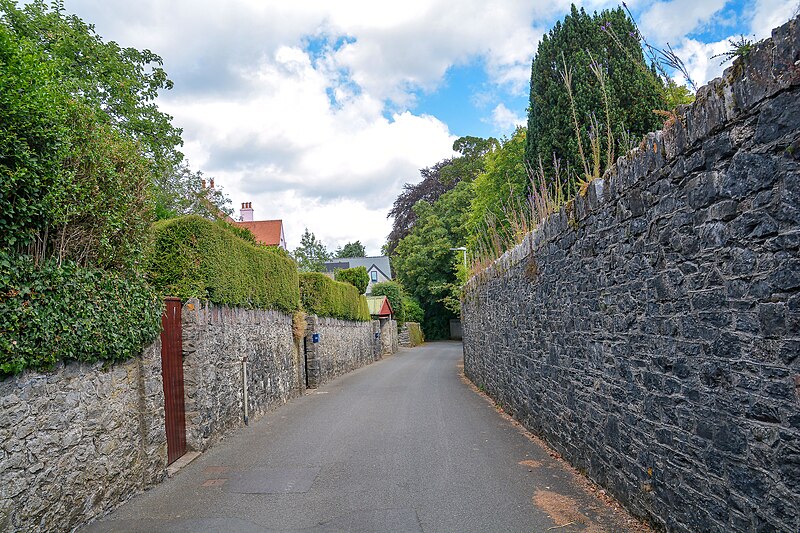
(204, 183)
(212, 183)
(246, 213)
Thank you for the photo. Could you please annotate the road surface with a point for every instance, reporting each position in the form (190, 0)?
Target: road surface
(403, 444)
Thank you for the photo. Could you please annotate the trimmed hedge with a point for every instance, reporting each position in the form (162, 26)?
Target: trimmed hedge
(322, 296)
(51, 312)
(194, 257)
(356, 276)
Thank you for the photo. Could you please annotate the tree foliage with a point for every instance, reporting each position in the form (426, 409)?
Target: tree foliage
(436, 181)
(632, 91)
(394, 293)
(311, 254)
(502, 186)
(357, 277)
(424, 263)
(351, 249)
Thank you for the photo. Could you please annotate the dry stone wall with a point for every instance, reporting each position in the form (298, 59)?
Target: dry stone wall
(78, 441)
(651, 332)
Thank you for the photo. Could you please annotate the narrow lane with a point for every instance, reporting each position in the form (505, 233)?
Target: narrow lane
(401, 445)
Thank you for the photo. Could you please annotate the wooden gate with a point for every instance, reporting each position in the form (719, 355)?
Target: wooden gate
(172, 376)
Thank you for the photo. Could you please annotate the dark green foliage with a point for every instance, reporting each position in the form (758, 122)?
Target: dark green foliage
(357, 277)
(33, 140)
(351, 249)
(633, 90)
(413, 310)
(436, 181)
(394, 292)
(51, 312)
(191, 256)
(322, 296)
(311, 254)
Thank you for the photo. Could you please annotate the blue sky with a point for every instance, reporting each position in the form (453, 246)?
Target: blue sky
(317, 112)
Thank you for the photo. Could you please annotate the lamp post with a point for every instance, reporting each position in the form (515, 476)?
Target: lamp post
(461, 249)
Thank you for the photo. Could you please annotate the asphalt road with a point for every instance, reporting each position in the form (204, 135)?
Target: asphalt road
(403, 444)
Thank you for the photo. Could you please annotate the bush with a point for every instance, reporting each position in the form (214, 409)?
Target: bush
(51, 312)
(191, 256)
(394, 292)
(322, 296)
(357, 277)
(415, 335)
(413, 310)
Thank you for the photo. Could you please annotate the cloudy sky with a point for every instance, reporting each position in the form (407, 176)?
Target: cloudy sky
(317, 111)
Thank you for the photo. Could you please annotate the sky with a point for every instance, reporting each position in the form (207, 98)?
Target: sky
(318, 111)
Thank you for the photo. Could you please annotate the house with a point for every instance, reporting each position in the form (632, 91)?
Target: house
(379, 307)
(377, 267)
(267, 232)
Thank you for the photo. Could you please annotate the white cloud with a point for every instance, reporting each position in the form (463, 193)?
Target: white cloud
(665, 22)
(503, 119)
(698, 59)
(769, 14)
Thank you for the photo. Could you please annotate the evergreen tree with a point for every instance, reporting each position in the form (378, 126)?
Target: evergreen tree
(351, 249)
(311, 254)
(610, 41)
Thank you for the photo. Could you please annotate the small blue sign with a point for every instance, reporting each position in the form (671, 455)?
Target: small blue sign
(315, 338)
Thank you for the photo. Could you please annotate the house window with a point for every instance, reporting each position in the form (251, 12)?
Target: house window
(374, 276)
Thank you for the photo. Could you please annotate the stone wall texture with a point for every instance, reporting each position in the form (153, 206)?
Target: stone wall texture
(389, 337)
(216, 340)
(342, 346)
(78, 441)
(651, 332)
(410, 335)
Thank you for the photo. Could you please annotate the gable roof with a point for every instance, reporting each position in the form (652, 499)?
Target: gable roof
(378, 262)
(269, 232)
(379, 306)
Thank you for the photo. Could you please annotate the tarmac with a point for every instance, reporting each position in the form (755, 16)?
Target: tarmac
(404, 444)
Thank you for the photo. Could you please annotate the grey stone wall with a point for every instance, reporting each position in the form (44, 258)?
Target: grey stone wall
(343, 346)
(78, 441)
(215, 341)
(651, 332)
(389, 337)
(408, 333)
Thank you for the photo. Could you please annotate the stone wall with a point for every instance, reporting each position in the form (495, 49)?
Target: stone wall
(410, 335)
(216, 339)
(342, 346)
(651, 332)
(78, 441)
(389, 337)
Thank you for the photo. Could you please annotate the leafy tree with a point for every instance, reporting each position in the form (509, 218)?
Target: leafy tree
(311, 254)
(424, 263)
(357, 277)
(181, 191)
(631, 89)
(394, 292)
(413, 310)
(351, 249)
(503, 185)
(436, 181)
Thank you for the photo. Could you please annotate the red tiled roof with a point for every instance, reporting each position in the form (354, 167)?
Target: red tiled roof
(265, 231)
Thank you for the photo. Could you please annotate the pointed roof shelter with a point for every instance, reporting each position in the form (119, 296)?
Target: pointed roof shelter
(379, 307)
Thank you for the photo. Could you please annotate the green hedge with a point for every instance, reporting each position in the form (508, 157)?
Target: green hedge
(356, 276)
(51, 312)
(323, 296)
(191, 256)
